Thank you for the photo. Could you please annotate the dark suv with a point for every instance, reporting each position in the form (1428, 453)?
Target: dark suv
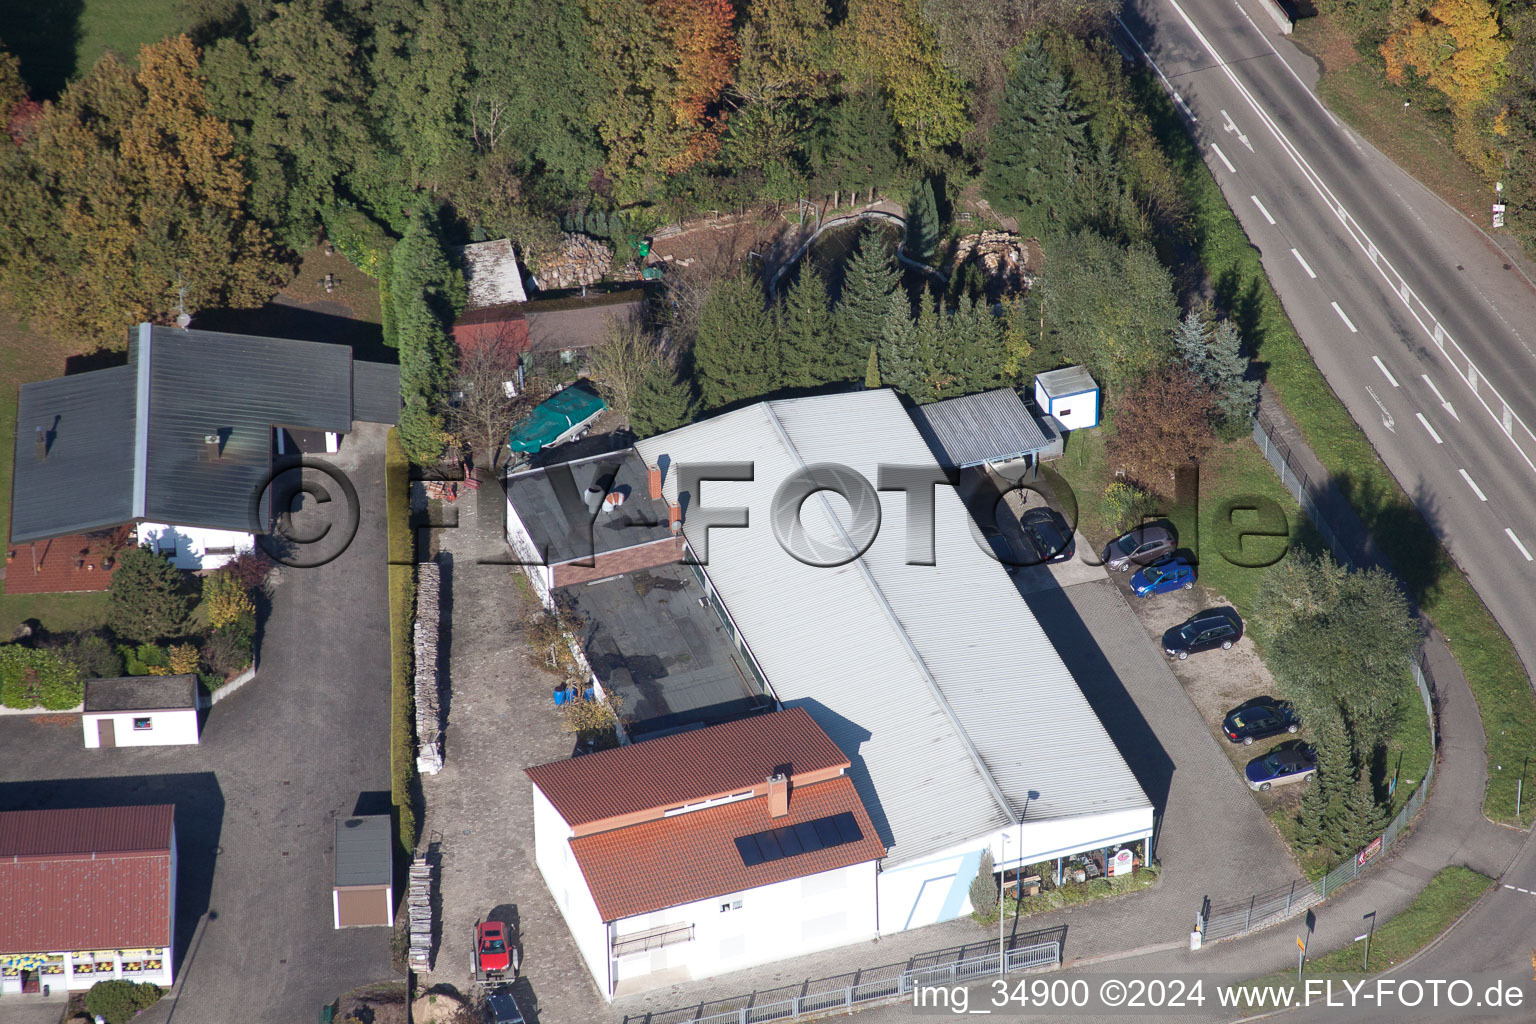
(1205, 631)
(1049, 532)
(1142, 546)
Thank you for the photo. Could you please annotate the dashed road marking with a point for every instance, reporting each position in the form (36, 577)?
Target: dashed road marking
(1261, 209)
(1429, 428)
(1470, 483)
(1352, 328)
(1303, 264)
(1385, 372)
(1217, 150)
(1524, 552)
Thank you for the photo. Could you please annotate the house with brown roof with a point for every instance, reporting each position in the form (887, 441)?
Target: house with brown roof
(707, 851)
(86, 895)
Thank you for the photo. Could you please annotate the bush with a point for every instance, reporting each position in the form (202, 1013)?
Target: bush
(148, 602)
(92, 654)
(1126, 507)
(184, 659)
(33, 677)
(984, 886)
(145, 660)
(402, 605)
(359, 238)
(226, 599)
(120, 1001)
(228, 650)
(252, 568)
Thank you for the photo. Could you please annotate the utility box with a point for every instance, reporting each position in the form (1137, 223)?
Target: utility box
(1070, 395)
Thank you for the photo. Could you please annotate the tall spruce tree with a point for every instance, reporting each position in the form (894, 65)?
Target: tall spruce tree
(664, 401)
(872, 371)
(805, 332)
(735, 352)
(923, 228)
(147, 600)
(1034, 150)
(868, 282)
(898, 357)
(1216, 356)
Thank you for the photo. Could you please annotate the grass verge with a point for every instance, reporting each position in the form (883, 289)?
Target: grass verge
(1498, 679)
(1450, 894)
(403, 784)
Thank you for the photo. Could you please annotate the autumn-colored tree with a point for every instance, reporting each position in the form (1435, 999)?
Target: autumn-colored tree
(889, 42)
(125, 196)
(786, 50)
(1161, 423)
(1456, 46)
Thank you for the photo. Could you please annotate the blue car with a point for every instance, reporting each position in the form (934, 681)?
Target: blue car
(1161, 577)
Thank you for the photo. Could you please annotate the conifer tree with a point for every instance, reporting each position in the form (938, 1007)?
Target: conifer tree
(872, 372)
(868, 282)
(664, 401)
(923, 228)
(805, 332)
(735, 352)
(899, 368)
(1035, 148)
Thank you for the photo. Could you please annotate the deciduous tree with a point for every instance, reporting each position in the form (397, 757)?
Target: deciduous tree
(1162, 423)
(889, 42)
(619, 365)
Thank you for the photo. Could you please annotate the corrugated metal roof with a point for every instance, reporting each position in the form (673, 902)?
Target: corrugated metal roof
(1070, 380)
(974, 429)
(688, 857)
(375, 392)
(141, 693)
(936, 680)
(676, 770)
(363, 846)
(86, 480)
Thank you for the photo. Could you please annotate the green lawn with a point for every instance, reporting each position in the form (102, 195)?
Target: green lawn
(123, 26)
(1449, 895)
(1487, 658)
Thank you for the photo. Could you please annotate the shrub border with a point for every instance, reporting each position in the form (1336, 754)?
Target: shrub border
(403, 783)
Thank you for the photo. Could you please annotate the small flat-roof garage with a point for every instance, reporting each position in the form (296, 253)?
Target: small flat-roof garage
(364, 892)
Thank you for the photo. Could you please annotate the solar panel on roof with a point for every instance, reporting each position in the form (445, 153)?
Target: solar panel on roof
(806, 837)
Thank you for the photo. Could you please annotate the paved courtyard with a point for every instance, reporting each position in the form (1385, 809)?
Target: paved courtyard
(256, 799)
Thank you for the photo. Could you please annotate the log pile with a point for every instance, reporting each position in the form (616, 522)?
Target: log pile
(580, 260)
(429, 729)
(418, 903)
(1001, 257)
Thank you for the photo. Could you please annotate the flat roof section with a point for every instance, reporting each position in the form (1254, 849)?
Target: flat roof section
(550, 502)
(363, 850)
(670, 659)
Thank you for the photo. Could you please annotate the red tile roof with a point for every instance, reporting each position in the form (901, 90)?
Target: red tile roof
(675, 770)
(687, 857)
(96, 878)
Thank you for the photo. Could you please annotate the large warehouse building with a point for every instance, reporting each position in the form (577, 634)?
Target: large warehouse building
(964, 729)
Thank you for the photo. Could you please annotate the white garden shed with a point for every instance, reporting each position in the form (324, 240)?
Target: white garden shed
(1071, 395)
(140, 711)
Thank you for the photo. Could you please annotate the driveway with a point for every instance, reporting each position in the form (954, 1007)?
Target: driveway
(303, 742)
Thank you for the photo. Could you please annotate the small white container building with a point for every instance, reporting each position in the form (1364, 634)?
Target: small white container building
(1070, 395)
(140, 711)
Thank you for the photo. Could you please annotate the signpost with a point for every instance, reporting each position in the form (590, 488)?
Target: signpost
(1370, 851)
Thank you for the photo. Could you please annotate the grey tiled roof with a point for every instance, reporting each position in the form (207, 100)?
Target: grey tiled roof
(363, 850)
(549, 502)
(973, 429)
(129, 443)
(141, 693)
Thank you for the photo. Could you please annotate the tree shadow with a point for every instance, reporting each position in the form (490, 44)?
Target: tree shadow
(1406, 535)
(45, 37)
(285, 319)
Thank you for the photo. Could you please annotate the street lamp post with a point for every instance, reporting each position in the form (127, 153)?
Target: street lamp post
(1002, 964)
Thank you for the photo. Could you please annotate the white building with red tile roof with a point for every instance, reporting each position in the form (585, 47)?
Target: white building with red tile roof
(707, 851)
(87, 895)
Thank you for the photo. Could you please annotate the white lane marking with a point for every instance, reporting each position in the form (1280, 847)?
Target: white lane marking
(1427, 321)
(1217, 150)
(1385, 372)
(1261, 209)
(1429, 428)
(1443, 403)
(1524, 552)
(1387, 419)
(1303, 264)
(1472, 484)
(1166, 84)
(1352, 328)
(1292, 70)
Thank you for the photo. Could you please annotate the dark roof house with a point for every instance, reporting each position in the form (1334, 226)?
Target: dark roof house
(182, 434)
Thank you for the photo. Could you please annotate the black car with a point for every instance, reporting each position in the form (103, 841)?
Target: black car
(1260, 717)
(1203, 632)
(1142, 546)
(1049, 532)
(501, 1008)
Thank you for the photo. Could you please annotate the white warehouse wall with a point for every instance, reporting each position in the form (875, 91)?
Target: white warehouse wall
(195, 547)
(562, 875)
(166, 728)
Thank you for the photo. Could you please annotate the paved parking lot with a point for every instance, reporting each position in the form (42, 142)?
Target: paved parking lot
(306, 740)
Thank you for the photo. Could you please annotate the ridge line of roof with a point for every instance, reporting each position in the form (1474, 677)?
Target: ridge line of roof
(896, 623)
(141, 422)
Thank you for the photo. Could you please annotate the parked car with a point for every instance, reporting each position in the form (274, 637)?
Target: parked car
(1292, 761)
(492, 948)
(1204, 631)
(1142, 546)
(1050, 533)
(1169, 574)
(1257, 719)
(501, 1008)
(998, 543)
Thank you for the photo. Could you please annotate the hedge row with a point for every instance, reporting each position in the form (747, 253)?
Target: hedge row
(402, 592)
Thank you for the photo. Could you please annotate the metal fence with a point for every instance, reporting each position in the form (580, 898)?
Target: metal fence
(1306, 491)
(879, 984)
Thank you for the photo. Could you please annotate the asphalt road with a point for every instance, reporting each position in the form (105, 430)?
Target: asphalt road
(1424, 327)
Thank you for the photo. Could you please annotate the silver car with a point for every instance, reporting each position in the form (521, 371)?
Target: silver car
(1142, 546)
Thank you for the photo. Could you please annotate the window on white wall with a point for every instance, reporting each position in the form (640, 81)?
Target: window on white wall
(729, 905)
(142, 725)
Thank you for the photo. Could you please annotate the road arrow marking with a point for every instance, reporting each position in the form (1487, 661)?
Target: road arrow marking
(1429, 428)
(1443, 403)
(1386, 417)
(1385, 372)
(1475, 489)
(1352, 328)
(1231, 126)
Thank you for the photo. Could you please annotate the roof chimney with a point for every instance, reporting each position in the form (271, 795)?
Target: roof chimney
(594, 499)
(211, 447)
(655, 483)
(675, 519)
(778, 795)
(42, 445)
